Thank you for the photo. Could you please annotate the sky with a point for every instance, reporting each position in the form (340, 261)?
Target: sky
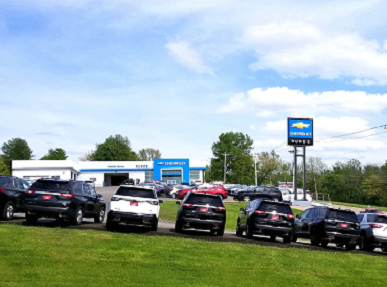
(174, 75)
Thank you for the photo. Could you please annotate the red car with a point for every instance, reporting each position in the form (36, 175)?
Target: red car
(205, 188)
(372, 210)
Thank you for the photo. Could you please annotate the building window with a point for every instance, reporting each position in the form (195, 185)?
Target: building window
(93, 178)
(148, 175)
(194, 175)
(26, 177)
(55, 177)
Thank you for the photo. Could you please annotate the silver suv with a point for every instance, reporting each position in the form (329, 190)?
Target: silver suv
(373, 231)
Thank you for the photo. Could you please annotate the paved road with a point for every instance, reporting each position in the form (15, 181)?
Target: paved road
(167, 229)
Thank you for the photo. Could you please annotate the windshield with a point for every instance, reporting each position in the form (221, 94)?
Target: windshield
(50, 185)
(280, 208)
(200, 199)
(342, 215)
(136, 192)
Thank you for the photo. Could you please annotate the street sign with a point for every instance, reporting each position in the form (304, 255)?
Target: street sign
(300, 132)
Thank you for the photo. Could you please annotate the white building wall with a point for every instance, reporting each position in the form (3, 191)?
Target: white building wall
(39, 173)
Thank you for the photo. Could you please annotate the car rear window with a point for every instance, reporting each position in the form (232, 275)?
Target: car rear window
(200, 199)
(373, 210)
(51, 185)
(376, 218)
(136, 192)
(342, 215)
(6, 182)
(381, 219)
(280, 208)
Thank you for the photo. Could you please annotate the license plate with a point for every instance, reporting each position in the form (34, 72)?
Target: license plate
(344, 225)
(275, 217)
(134, 204)
(204, 209)
(46, 196)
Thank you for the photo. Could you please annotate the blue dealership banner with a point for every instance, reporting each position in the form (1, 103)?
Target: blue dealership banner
(300, 131)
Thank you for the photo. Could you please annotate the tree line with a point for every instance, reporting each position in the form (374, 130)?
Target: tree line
(114, 148)
(349, 181)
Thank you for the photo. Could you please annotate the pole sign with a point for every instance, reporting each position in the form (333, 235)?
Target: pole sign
(300, 132)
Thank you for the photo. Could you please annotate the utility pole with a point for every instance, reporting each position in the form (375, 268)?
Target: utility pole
(225, 158)
(255, 168)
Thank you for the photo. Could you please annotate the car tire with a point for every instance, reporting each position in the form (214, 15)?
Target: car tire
(350, 246)
(324, 243)
(275, 199)
(273, 237)
(294, 238)
(178, 226)
(314, 240)
(212, 232)
(154, 226)
(220, 232)
(340, 245)
(246, 198)
(249, 232)
(78, 218)
(31, 219)
(362, 242)
(238, 231)
(111, 226)
(287, 239)
(101, 216)
(8, 211)
(174, 195)
(384, 249)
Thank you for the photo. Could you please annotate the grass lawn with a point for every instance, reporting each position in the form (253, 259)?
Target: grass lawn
(359, 205)
(37, 256)
(168, 212)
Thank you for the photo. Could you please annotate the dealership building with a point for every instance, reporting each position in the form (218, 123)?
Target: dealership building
(109, 173)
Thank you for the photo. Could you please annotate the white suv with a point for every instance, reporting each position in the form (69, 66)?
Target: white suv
(133, 205)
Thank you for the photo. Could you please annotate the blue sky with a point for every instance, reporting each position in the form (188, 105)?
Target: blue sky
(174, 75)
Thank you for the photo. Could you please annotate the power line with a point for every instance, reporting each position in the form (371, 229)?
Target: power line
(352, 133)
(352, 138)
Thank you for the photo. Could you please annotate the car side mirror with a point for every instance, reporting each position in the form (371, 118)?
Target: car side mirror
(297, 216)
(161, 201)
(178, 202)
(99, 196)
(241, 209)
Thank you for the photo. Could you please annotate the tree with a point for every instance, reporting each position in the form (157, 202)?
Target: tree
(148, 154)
(239, 163)
(3, 168)
(55, 154)
(16, 149)
(115, 148)
(87, 156)
(268, 164)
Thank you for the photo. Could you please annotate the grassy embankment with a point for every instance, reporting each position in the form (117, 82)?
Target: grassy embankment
(359, 205)
(169, 209)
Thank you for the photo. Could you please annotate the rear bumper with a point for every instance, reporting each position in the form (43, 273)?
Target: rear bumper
(51, 212)
(378, 241)
(132, 218)
(272, 230)
(336, 237)
(189, 222)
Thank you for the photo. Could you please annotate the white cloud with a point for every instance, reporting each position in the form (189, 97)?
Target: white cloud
(297, 103)
(188, 57)
(252, 127)
(303, 50)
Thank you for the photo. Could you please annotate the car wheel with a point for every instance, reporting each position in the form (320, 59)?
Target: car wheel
(362, 242)
(324, 244)
(287, 239)
(246, 198)
(8, 211)
(212, 232)
(220, 232)
(273, 237)
(350, 246)
(154, 226)
(111, 226)
(174, 195)
(101, 216)
(238, 231)
(294, 238)
(314, 240)
(178, 227)
(384, 249)
(249, 232)
(78, 218)
(31, 219)
(340, 245)
(275, 199)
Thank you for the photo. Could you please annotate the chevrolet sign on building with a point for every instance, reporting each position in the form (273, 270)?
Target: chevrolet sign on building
(300, 132)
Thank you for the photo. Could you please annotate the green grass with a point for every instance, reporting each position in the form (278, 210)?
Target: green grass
(37, 256)
(359, 205)
(168, 212)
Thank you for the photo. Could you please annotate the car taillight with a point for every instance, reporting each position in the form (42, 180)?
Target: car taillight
(68, 195)
(259, 211)
(376, 226)
(221, 208)
(290, 216)
(1, 190)
(186, 204)
(30, 191)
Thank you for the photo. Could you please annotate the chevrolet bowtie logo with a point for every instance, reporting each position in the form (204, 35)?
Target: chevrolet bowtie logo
(300, 125)
(160, 163)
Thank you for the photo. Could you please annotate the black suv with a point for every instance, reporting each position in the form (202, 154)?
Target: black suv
(262, 192)
(63, 199)
(201, 211)
(324, 225)
(265, 217)
(12, 195)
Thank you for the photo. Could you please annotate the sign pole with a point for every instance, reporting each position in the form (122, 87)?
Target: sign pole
(304, 171)
(295, 174)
